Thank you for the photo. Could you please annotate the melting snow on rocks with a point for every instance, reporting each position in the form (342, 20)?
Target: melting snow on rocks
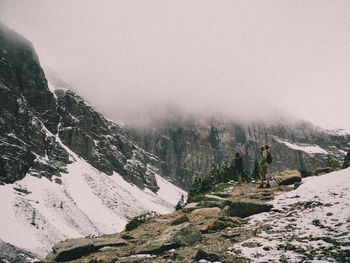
(309, 224)
(310, 149)
(37, 213)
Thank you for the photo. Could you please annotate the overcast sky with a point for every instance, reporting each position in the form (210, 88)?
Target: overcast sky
(253, 59)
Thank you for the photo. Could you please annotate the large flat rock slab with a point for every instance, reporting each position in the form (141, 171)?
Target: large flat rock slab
(207, 212)
(288, 177)
(247, 208)
(75, 248)
(173, 237)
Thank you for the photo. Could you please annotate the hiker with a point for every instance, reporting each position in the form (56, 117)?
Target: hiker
(239, 168)
(264, 166)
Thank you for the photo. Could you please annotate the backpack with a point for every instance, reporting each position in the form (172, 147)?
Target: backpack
(269, 157)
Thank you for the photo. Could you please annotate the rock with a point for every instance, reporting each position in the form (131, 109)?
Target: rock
(173, 237)
(225, 222)
(213, 198)
(71, 249)
(247, 208)
(190, 207)
(262, 195)
(288, 177)
(111, 242)
(180, 220)
(325, 170)
(216, 256)
(231, 235)
(346, 162)
(207, 212)
(251, 244)
(207, 255)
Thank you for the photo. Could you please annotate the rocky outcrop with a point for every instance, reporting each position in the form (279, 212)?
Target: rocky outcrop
(288, 177)
(346, 162)
(103, 143)
(173, 237)
(28, 114)
(12, 254)
(188, 147)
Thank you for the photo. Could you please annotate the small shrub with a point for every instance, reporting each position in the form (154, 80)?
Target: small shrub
(138, 220)
(305, 173)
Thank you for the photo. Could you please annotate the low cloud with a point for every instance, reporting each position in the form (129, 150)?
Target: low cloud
(134, 60)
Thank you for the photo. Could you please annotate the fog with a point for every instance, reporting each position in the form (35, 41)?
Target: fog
(249, 60)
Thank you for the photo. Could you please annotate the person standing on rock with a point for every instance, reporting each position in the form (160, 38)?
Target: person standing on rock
(264, 165)
(239, 168)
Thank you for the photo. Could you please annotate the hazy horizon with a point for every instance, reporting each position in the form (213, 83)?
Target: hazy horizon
(251, 60)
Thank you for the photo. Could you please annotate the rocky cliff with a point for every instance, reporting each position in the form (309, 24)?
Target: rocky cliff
(35, 122)
(188, 147)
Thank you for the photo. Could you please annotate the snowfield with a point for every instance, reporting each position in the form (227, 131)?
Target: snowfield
(37, 213)
(309, 224)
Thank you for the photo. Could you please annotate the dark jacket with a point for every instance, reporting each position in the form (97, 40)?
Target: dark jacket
(239, 165)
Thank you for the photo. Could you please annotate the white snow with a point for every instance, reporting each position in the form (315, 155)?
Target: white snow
(317, 210)
(87, 203)
(308, 148)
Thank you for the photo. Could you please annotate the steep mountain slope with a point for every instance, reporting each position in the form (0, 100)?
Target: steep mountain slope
(188, 147)
(32, 116)
(65, 170)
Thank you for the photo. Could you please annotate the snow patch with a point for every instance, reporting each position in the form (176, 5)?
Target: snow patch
(313, 219)
(308, 148)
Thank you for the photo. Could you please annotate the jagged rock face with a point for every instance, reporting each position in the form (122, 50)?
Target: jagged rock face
(346, 162)
(33, 122)
(188, 148)
(102, 143)
(27, 110)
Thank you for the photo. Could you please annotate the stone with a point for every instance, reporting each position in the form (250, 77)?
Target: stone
(71, 249)
(213, 198)
(251, 244)
(325, 170)
(225, 222)
(182, 219)
(207, 255)
(111, 242)
(231, 235)
(190, 207)
(173, 237)
(207, 212)
(75, 248)
(288, 177)
(247, 208)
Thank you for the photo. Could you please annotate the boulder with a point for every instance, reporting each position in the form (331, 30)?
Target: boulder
(173, 237)
(207, 212)
(246, 208)
(216, 256)
(180, 220)
(72, 249)
(288, 177)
